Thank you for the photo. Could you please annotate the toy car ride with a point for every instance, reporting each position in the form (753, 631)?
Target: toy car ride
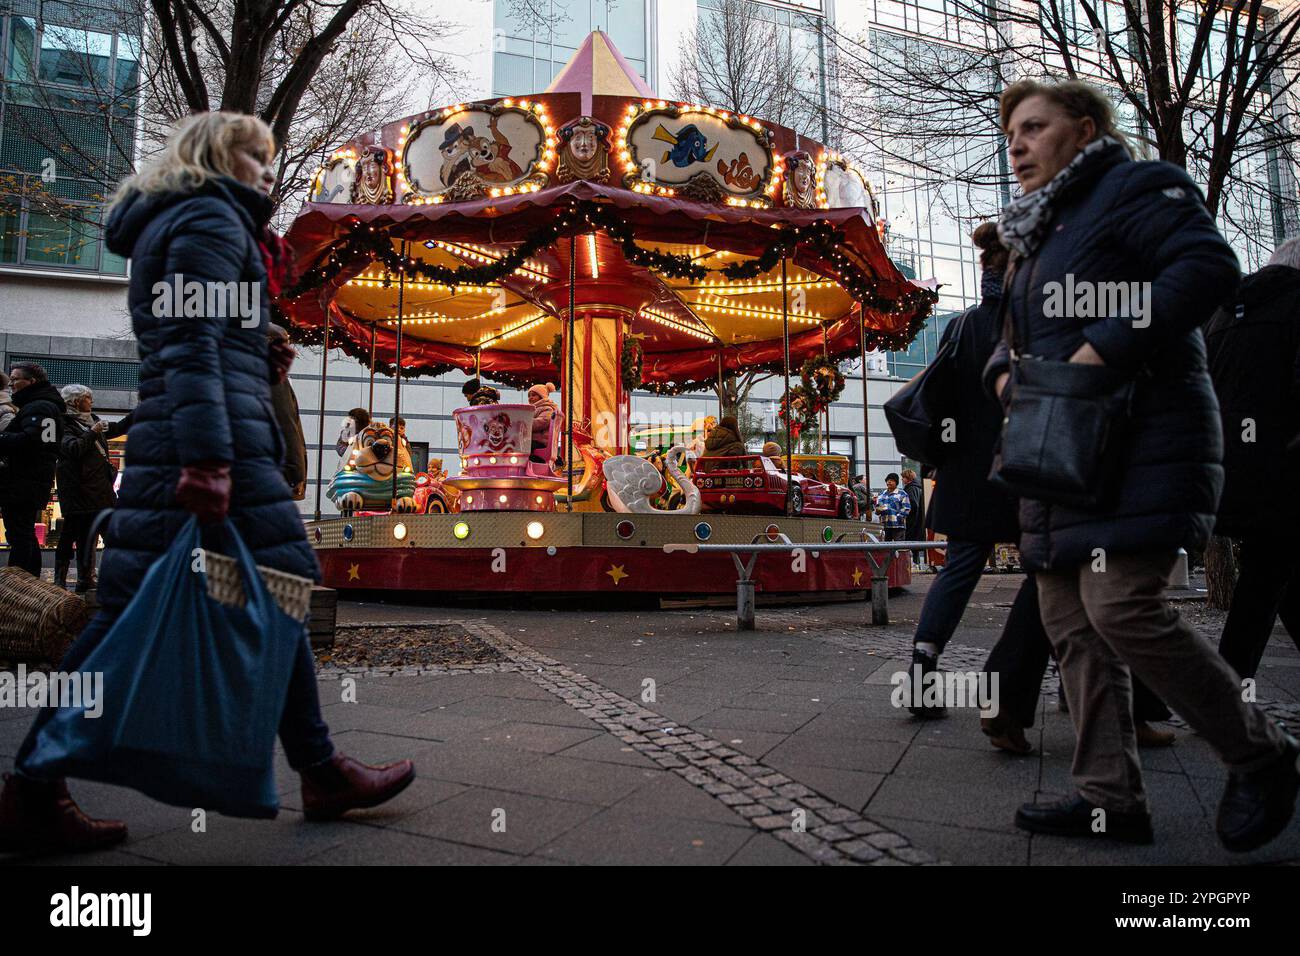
(754, 484)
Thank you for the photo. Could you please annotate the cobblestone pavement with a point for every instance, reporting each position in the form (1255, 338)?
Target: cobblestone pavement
(668, 737)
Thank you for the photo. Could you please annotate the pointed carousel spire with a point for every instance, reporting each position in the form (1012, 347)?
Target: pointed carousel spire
(598, 69)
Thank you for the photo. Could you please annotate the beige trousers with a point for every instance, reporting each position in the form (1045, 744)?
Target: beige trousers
(1104, 624)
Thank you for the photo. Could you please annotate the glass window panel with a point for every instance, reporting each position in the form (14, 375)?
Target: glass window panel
(62, 238)
(75, 57)
(513, 75)
(128, 63)
(22, 46)
(627, 27)
(10, 224)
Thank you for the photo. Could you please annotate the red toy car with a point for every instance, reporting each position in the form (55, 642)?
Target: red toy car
(753, 484)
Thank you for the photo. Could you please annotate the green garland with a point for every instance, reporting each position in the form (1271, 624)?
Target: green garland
(630, 363)
(365, 241)
(822, 381)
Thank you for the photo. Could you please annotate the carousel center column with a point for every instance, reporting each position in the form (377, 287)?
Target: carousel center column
(604, 307)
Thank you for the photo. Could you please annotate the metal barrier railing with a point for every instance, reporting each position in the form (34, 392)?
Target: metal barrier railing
(887, 550)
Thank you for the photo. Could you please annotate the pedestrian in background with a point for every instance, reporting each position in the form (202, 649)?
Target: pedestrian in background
(29, 447)
(284, 402)
(1254, 355)
(892, 508)
(7, 407)
(863, 494)
(204, 443)
(1089, 214)
(86, 474)
(358, 419)
(916, 511)
(965, 506)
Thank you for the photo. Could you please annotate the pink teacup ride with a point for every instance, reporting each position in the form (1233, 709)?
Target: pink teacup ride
(496, 475)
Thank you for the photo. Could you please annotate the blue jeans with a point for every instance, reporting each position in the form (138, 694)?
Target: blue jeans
(303, 732)
(946, 600)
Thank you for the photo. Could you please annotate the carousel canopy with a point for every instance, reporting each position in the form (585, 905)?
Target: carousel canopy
(480, 228)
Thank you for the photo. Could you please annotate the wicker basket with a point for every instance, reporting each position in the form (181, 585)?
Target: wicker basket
(291, 592)
(38, 619)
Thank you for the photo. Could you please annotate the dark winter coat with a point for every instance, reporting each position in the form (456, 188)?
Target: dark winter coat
(29, 446)
(86, 473)
(916, 516)
(285, 402)
(1254, 354)
(1133, 222)
(964, 504)
(723, 442)
(205, 385)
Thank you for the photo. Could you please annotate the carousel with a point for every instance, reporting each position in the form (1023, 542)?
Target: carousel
(580, 244)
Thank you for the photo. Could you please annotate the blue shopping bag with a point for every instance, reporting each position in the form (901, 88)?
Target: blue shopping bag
(192, 691)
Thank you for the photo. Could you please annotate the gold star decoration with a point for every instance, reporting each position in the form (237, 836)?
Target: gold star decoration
(616, 572)
(354, 572)
(857, 576)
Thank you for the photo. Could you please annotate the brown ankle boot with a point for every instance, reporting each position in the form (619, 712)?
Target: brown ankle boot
(39, 816)
(1005, 734)
(331, 789)
(1148, 736)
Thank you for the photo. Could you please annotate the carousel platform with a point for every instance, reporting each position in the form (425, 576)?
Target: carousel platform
(566, 554)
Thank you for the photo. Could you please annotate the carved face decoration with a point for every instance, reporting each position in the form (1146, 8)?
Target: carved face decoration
(373, 183)
(800, 187)
(585, 152)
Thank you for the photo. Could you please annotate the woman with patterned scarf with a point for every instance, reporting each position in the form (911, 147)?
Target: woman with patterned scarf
(1092, 223)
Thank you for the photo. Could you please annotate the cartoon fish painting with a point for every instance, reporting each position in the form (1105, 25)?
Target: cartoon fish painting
(689, 145)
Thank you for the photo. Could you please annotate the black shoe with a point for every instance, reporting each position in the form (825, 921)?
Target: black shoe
(1076, 817)
(925, 664)
(1257, 806)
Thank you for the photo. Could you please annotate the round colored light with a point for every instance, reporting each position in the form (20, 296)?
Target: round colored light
(399, 531)
(535, 529)
(703, 531)
(514, 460)
(502, 499)
(828, 534)
(492, 460)
(538, 499)
(773, 532)
(347, 532)
(625, 529)
(461, 530)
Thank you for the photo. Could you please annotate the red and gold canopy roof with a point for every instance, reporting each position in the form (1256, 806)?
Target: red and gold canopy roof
(485, 221)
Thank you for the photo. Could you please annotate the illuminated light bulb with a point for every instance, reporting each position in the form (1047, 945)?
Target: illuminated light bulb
(514, 460)
(492, 460)
(502, 499)
(460, 529)
(538, 499)
(535, 529)
(399, 531)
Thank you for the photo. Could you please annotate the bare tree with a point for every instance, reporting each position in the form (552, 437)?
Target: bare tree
(1208, 86)
(317, 71)
(739, 58)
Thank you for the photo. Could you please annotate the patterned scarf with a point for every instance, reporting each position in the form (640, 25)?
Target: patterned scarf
(1025, 220)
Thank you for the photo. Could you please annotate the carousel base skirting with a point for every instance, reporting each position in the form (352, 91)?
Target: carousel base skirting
(584, 553)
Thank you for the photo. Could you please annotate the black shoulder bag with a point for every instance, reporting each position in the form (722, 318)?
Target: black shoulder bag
(916, 412)
(1064, 424)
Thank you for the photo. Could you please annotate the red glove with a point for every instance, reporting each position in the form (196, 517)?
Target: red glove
(281, 355)
(204, 491)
